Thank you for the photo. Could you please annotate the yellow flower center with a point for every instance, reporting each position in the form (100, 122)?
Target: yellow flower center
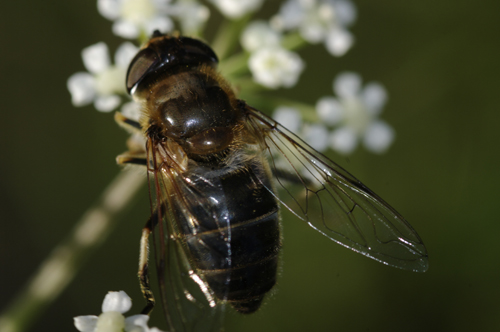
(356, 115)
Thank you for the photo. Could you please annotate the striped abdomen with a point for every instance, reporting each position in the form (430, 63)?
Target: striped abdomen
(234, 240)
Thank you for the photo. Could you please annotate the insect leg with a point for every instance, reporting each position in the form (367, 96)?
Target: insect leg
(144, 269)
(130, 125)
(130, 159)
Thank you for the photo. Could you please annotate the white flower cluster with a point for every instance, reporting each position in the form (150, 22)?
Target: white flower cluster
(115, 304)
(319, 21)
(326, 21)
(271, 65)
(353, 114)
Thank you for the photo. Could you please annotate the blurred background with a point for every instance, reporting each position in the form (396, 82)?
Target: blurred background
(439, 63)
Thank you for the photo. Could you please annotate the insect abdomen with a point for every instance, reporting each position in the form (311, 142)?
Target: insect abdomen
(238, 254)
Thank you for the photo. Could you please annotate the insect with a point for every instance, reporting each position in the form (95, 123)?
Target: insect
(215, 167)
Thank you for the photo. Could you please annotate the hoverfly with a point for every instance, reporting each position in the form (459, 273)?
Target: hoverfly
(215, 166)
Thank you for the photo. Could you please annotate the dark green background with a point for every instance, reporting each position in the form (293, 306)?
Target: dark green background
(439, 63)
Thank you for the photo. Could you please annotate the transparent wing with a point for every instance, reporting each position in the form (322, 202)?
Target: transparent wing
(188, 302)
(332, 201)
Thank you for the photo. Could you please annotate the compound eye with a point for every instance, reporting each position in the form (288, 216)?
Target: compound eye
(140, 66)
(196, 50)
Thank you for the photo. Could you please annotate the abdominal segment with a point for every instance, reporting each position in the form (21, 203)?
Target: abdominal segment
(233, 234)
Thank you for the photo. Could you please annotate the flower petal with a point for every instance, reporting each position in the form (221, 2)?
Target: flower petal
(96, 57)
(374, 96)
(125, 53)
(338, 41)
(329, 110)
(125, 29)
(160, 23)
(137, 323)
(191, 15)
(110, 9)
(379, 136)
(347, 85)
(117, 301)
(346, 12)
(107, 103)
(288, 117)
(316, 135)
(235, 9)
(85, 323)
(343, 140)
(82, 88)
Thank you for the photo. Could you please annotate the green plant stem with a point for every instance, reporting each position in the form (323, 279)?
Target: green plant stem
(235, 66)
(59, 269)
(227, 36)
(293, 41)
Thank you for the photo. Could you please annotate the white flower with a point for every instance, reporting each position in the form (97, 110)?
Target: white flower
(112, 319)
(105, 81)
(319, 21)
(257, 35)
(191, 15)
(235, 9)
(355, 111)
(135, 17)
(288, 117)
(275, 67)
(271, 65)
